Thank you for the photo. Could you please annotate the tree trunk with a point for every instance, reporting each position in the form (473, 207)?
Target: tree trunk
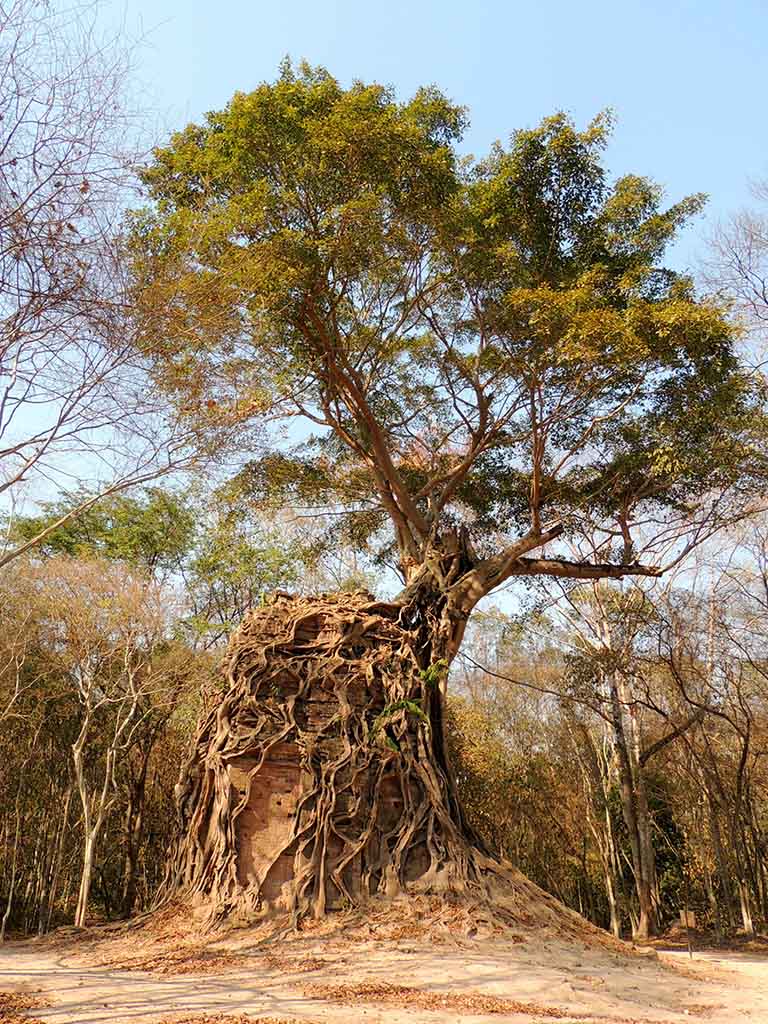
(128, 898)
(46, 913)
(722, 867)
(746, 910)
(635, 810)
(596, 772)
(12, 883)
(89, 850)
(133, 833)
(611, 876)
(714, 906)
(320, 776)
(648, 914)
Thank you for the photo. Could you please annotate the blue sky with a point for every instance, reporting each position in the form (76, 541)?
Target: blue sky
(686, 79)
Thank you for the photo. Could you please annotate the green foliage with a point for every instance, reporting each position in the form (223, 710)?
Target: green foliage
(222, 559)
(233, 566)
(437, 670)
(153, 529)
(380, 723)
(472, 342)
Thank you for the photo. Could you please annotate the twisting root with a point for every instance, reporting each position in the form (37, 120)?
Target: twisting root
(319, 777)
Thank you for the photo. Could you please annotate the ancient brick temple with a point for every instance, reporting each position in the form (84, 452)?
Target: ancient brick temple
(318, 776)
(305, 758)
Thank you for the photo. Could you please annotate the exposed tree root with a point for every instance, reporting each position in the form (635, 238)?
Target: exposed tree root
(318, 779)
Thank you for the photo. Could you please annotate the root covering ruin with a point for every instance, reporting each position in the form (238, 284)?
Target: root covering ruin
(319, 776)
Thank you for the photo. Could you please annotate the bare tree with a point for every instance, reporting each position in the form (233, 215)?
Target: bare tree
(712, 640)
(72, 390)
(107, 625)
(18, 674)
(738, 262)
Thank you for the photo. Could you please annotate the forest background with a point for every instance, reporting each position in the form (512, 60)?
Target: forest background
(600, 733)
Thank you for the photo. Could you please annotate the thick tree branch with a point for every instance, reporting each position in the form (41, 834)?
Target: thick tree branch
(496, 569)
(347, 381)
(491, 572)
(654, 748)
(580, 570)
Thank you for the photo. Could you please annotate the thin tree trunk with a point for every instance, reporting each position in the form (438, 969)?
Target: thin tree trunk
(611, 878)
(12, 883)
(595, 773)
(645, 841)
(722, 868)
(45, 920)
(714, 905)
(134, 826)
(86, 876)
(746, 911)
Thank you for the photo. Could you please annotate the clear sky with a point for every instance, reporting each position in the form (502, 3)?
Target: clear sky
(686, 78)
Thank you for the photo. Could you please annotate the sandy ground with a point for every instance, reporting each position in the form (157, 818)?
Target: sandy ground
(343, 976)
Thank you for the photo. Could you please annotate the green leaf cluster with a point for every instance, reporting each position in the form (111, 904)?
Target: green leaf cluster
(484, 343)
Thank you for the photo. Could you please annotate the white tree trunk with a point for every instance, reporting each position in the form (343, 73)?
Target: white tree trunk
(14, 865)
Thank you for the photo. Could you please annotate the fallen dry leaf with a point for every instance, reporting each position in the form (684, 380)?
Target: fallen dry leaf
(13, 1006)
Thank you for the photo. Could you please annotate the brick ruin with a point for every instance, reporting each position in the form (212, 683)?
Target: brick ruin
(312, 778)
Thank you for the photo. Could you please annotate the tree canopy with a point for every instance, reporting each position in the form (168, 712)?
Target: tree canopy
(222, 562)
(153, 529)
(485, 350)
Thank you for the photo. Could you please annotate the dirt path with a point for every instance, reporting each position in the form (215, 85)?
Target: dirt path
(469, 982)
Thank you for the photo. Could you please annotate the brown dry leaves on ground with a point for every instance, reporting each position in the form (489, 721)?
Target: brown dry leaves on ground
(401, 995)
(167, 942)
(172, 941)
(224, 1018)
(13, 1006)
(300, 965)
(157, 956)
(191, 956)
(386, 994)
(678, 938)
(446, 918)
(191, 960)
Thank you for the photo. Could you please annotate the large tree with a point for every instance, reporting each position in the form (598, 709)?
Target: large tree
(485, 357)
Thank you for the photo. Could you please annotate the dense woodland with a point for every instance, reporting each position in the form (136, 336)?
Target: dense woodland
(509, 410)
(568, 747)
